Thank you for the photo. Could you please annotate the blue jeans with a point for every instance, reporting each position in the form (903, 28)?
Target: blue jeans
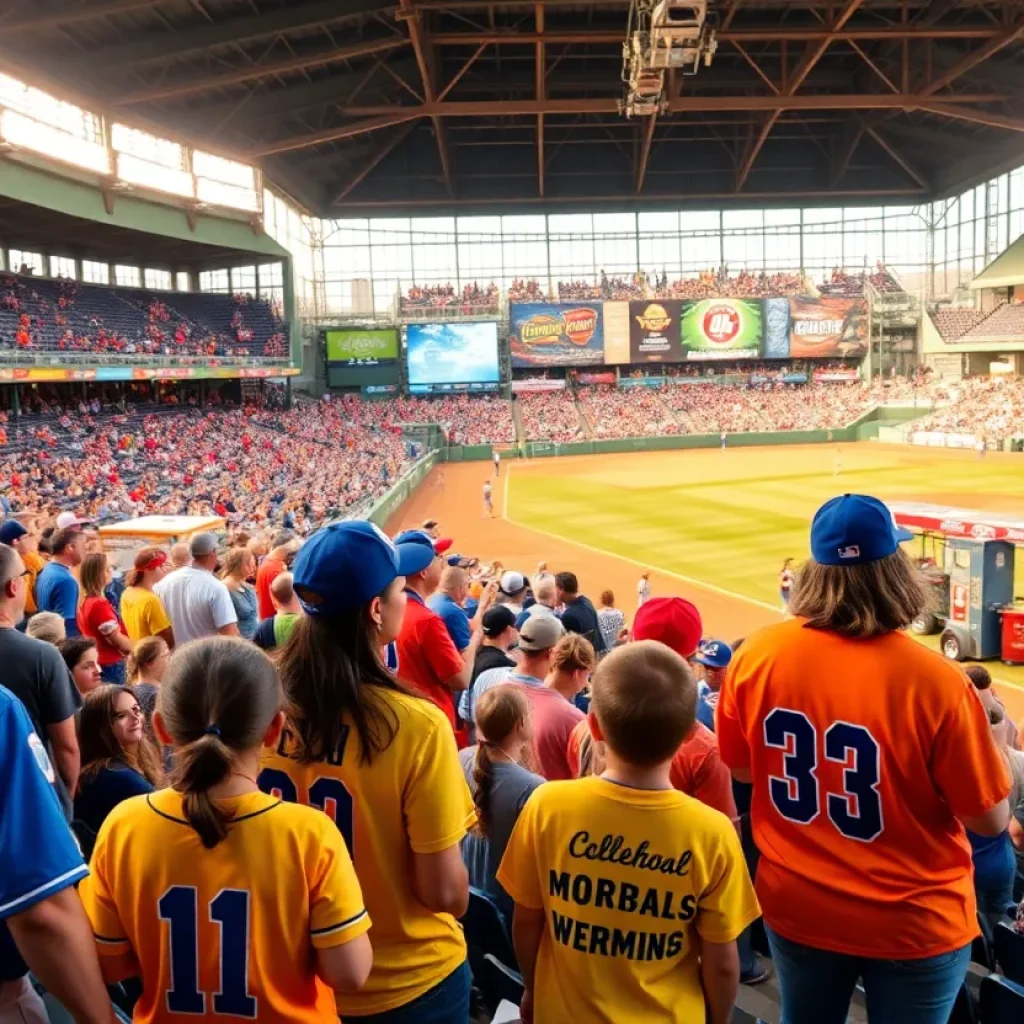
(817, 984)
(446, 1003)
(113, 673)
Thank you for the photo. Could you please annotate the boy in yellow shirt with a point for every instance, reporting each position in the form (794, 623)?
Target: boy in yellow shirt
(629, 895)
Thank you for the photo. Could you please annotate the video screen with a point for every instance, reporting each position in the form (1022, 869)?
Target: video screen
(445, 354)
(361, 347)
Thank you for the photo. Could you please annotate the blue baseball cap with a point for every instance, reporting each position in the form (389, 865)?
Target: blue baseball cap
(418, 549)
(344, 565)
(854, 529)
(714, 654)
(10, 531)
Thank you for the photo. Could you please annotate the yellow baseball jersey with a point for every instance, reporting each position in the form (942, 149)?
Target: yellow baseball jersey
(629, 880)
(227, 932)
(412, 798)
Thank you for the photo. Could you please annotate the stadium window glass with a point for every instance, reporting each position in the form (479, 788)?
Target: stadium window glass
(744, 251)
(150, 148)
(533, 225)
(700, 220)
(271, 275)
(181, 281)
(615, 254)
(127, 276)
(243, 280)
(158, 280)
(217, 168)
(823, 215)
(46, 109)
(214, 281)
(95, 273)
(20, 130)
(217, 193)
(701, 252)
(581, 224)
(660, 253)
(735, 219)
(617, 223)
(1016, 224)
(150, 175)
(658, 222)
(782, 251)
(774, 218)
(34, 261)
(62, 266)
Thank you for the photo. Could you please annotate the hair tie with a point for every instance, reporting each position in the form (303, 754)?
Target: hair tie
(213, 730)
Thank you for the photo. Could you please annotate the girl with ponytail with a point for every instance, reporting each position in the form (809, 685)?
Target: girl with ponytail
(498, 770)
(260, 894)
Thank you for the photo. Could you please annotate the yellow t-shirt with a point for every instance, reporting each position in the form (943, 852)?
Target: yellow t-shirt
(143, 613)
(412, 798)
(628, 880)
(228, 931)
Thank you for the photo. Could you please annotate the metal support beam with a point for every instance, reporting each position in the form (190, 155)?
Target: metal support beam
(465, 67)
(383, 115)
(370, 124)
(743, 36)
(69, 17)
(645, 152)
(901, 161)
(412, 20)
(874, 67)
(540, 90)
(974, 58)
(266, 69)
(165, 47)
(757, 67)
(811, 56)
(374, 159)
(967, 113)
(852, 134)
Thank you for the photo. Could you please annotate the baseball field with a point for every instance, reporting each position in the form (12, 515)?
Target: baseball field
(710, 525)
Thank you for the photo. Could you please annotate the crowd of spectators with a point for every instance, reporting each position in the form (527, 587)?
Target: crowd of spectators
(465, 419)
(39, 315)
(841, 284)
(473, 299)
(636, 412)
(990, 408)
(713, 284)
(526, 290)
(550, 416)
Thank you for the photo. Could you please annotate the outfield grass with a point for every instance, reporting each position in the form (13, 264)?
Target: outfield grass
(730, 518)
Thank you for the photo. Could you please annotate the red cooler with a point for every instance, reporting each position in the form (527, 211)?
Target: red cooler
(1013, 634)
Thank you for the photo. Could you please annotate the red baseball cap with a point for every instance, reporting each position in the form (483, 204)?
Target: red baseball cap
(673, 621)
(443, 544)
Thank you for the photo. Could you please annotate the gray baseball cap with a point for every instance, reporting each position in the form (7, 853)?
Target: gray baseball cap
(202, 544)
(540, 633)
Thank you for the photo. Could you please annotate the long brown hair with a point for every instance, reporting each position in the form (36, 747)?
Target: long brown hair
(99, 746)
(133, 578)
(499, 712)
(331, 667)
(861, 601)
(217, 700)
(92, 576)
(233, 563)
(145, 652)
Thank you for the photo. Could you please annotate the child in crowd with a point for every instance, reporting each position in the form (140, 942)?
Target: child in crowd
(629, 895)
(176, 895)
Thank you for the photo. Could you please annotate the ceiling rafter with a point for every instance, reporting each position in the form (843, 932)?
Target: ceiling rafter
(812, 55)
(74, 16)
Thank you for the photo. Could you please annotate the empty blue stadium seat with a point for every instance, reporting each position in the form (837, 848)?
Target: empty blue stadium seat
(1002, 1001)
(1009, 950)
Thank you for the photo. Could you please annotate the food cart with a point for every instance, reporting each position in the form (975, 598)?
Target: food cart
(121, 540)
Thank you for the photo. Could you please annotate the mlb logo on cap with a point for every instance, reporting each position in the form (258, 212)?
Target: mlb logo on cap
(854, 529)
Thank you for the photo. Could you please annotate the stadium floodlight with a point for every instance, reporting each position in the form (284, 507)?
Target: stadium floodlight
(27, 133)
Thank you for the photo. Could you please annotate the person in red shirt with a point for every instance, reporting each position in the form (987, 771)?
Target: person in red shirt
(427, 658)
(868, 755)
(283, 548)
(98, 620)
(553, 715)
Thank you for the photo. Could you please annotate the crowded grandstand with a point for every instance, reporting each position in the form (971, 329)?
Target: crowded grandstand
(307, 713)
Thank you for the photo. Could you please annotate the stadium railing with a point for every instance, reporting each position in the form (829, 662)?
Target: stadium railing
(22, 357)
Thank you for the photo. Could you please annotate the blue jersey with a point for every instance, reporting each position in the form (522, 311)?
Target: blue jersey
(38, 855)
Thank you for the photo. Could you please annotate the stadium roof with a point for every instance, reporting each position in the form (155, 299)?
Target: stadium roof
(1005, 271)
(378, 106)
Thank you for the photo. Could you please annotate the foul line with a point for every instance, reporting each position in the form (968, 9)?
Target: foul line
(700, 584)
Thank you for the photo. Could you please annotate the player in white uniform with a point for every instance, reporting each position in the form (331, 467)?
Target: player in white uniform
(488, 504)
(497, 462)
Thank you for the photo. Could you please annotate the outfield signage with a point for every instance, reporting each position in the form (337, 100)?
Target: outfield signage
(361, 347)
(721, 329)
(827, 328)
(655, 332)
(537, 384)
(556, 334)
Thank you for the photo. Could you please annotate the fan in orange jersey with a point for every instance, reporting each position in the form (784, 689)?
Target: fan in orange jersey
(868, 755)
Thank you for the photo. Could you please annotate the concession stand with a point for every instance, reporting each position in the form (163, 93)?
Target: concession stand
(121, 540)
(971, 565)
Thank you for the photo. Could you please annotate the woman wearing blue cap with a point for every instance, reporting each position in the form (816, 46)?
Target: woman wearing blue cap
(383, 764)
(868, 754)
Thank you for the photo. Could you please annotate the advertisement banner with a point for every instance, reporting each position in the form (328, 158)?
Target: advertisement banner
(776, 328)
(555, 334)
(641, 382)
(836, 376)
(655, 333)
(114, 373)
(537, 384)
(722, 329)
(605, 377)
(827, 327)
